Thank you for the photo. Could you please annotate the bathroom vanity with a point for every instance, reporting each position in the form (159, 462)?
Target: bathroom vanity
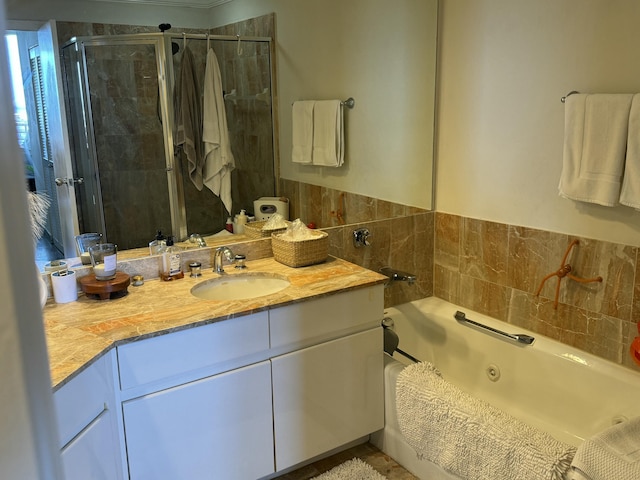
(220, 389)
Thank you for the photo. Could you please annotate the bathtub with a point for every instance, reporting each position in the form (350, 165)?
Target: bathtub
(566, 392)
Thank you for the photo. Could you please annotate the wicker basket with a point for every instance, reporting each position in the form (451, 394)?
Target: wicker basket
(300, 253)
(254, 230)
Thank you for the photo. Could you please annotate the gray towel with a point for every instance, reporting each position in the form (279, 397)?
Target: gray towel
(189, 117)
(469, 437)
(612, 454)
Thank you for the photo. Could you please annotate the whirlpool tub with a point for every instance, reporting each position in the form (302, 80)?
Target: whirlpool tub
(563, 391)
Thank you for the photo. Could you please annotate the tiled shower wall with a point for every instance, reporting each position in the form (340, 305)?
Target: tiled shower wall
(488, 267)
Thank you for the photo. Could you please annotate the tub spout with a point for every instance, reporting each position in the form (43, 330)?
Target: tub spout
(397, 276)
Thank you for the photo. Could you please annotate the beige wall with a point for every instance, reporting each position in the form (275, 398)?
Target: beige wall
(380, 53)
(504, 66)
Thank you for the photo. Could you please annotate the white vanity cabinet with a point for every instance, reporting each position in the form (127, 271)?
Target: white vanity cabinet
(197, 403)
(330, 392)
(87, 425)
(217, 427)
(248, 396)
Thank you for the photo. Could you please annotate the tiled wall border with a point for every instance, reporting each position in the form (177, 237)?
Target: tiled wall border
(496, 269)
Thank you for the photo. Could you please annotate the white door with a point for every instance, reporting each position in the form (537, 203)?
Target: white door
(58, 136)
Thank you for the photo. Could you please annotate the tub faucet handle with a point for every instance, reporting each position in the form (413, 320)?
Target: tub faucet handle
(361, 237)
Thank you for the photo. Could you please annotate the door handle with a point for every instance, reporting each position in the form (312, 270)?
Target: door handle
(68, 181)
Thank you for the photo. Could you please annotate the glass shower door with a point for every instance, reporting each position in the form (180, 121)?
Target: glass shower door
(122, 115)
(87, 188)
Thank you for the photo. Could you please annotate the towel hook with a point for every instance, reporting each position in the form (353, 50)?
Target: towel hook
(239, 49)
(208, 41)
(184, 40)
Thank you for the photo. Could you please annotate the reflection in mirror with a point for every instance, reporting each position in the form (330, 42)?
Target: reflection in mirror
(121, 114)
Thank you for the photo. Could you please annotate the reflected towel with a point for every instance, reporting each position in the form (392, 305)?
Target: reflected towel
(630, 194)
(218, 159)
(611, 454)
(595, 140)
(189, 118)
(302, 131)
(328, 133)
(469, 437)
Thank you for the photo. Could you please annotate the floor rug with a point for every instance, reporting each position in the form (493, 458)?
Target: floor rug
(354, 469)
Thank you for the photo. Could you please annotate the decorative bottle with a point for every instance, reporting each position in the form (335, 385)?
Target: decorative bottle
(171, 262)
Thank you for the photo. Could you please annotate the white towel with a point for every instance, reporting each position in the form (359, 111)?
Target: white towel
(302, 131)
(218, 159)
(189, 118)
(611, 454)
(469, 437)
(630, 194)
(595, 142)
(328, 133)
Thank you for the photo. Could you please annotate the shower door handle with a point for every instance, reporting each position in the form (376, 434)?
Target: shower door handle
(68, 181)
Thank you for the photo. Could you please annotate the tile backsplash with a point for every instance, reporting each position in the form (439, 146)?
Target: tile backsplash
(496, 269)
(490, 267)
(401, 237)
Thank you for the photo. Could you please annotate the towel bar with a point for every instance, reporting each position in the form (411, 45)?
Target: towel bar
(564, 99)
(517, 337)
(349, 103)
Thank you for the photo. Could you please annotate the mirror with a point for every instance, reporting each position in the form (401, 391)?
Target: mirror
(391, 96)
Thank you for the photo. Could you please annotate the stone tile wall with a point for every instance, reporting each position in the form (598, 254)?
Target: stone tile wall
(496, 269)
(401, 236)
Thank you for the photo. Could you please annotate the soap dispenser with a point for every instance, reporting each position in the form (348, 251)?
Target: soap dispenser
(171, 262)
(241, 221)
(158, 244)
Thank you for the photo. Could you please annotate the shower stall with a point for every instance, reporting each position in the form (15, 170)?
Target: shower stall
(130, 178)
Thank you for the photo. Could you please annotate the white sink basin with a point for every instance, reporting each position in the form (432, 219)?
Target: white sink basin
(240, 286)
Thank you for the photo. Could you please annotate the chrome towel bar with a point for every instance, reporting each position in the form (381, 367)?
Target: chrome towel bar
(517, 337)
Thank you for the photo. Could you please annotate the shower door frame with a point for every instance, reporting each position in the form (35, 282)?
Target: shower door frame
(166, 82)
(174, 180)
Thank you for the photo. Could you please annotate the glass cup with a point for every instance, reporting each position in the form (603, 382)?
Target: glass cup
(104, 260)
(83, 242)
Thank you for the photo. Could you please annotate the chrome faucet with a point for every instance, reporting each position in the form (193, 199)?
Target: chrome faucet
(197, 239)
(218, 257)
(397, 276)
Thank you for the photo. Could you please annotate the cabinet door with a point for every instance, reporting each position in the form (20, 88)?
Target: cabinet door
(92, 455)
(218, 427)
(326, 396)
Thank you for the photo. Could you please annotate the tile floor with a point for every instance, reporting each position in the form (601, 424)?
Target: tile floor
(380, 461)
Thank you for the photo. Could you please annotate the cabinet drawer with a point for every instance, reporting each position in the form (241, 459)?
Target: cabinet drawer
(304, 324)
(217, 347)
(84, 398)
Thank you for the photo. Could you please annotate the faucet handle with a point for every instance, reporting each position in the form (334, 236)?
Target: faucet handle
(361, 237)
(240, 259)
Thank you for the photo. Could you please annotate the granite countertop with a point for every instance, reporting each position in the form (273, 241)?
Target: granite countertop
(79, 332)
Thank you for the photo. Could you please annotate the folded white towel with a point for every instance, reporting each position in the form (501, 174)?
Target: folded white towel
(630, 194)
(469, 437)
(595, 140)
(328, 133)
(611, 454)
(302, 131)
(218, 159)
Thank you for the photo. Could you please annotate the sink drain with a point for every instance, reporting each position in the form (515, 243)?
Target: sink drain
(493, 372)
